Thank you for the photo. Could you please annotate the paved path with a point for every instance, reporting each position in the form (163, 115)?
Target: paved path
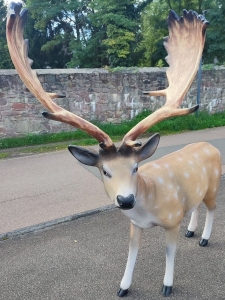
(42, 188)
(85, 260)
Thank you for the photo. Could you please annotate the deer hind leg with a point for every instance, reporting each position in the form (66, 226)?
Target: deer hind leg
(171, 245)
(193, 223)
(135, 240)
(210, 203)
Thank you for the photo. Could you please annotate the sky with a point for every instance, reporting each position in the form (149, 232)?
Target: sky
(16, 1)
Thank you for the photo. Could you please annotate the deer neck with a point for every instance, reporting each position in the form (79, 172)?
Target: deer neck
(145, 191)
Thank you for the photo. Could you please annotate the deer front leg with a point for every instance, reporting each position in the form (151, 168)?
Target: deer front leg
(171, 244)
(135, 240)
(208, 227)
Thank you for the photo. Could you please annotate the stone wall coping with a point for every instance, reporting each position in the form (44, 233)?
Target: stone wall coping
(97, 70)
(85, 71)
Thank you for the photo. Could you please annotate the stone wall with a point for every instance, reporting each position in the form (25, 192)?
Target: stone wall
(95, 94)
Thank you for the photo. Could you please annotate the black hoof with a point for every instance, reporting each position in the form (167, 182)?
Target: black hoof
(167, 290)
(189, 234)
(122, 293)
(203, 243)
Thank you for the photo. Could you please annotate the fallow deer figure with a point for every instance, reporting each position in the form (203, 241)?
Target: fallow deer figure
(161, 192)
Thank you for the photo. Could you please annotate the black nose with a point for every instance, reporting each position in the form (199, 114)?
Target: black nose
(126, 202)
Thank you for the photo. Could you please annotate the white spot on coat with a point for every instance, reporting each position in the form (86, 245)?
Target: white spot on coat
(171, 174)
(160, 180)
(200, 193)
(216, 172)
(156, 166)
(206, 151)
(186, 174)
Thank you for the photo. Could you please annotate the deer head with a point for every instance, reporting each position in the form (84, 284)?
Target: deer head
(119, 166)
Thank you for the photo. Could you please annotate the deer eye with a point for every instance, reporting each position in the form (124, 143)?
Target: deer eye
(135, 170)
(106, 173)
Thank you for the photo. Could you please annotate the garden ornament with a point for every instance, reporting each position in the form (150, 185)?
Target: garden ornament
(160, 192)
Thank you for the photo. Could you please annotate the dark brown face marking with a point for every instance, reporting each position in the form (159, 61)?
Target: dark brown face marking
(126, 150)
(108, 153)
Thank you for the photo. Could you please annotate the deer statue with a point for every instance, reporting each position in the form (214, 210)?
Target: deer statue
(160, 192)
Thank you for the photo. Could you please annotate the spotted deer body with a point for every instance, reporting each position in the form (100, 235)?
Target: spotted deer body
(171, 187)
(158, 193)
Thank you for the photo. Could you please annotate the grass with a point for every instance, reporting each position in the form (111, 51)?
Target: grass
(115, 131)
(4, 155)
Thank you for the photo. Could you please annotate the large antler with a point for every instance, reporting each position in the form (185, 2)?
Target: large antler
(184, 47)
(18, 48)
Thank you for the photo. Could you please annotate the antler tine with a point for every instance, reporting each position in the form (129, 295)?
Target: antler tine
(18, 49)
(184, 47)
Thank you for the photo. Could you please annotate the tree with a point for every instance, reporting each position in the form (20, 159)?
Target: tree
(86, 33)
(154, 27)
(215, 41)
(5, 60)
(37, 39)
(179, 5)
(121, 22)
(56, 22)
(97, 33)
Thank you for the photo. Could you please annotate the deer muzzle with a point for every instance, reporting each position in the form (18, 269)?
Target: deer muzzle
(126, 203)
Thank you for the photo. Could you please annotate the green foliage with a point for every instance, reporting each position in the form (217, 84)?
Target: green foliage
(190, 122)
(3, 155)
(208, 67)
(118, 41)
(123, 69)
(160, 63)
(36, 139)
(54, 21)
(154, 28)
(88, 33)
(125, 33)
(120, 22)
(36, 39)
(215, 42)
(5, 60)
(179, 5)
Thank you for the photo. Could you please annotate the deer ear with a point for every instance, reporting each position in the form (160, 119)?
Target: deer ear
(148, 148)
(84, 156)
